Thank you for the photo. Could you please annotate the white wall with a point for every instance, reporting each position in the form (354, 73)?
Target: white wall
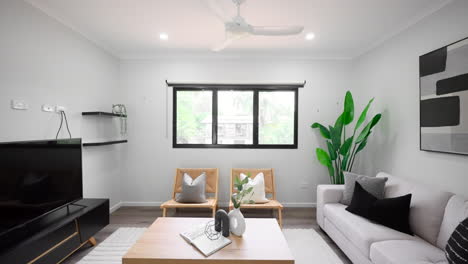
(391, 74)
(152, 160)
(42, 61)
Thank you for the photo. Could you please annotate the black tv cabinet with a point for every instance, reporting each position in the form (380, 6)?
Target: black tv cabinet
(59, 234)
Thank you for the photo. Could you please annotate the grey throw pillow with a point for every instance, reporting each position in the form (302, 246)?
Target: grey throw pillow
(373, 185)
(193, 190)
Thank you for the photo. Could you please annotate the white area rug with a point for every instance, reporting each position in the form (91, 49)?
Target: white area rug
(305, 244)
(111, 250)
(308, 247)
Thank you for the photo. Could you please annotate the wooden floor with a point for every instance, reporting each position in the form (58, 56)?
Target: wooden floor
(145, 216)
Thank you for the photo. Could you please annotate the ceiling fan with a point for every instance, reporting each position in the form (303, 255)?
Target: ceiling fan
(237, 28)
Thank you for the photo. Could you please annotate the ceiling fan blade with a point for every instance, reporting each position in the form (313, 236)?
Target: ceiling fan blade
(213, 5)
(228, 41)
(277, 31)
(222, 45)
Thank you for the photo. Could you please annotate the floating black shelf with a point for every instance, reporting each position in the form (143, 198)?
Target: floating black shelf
(106, 114)
(93, 144)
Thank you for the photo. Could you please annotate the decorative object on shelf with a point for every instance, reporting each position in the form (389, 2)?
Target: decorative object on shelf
(236, 218)
(443, 84)
(342, 151)
(222, 222)
(121, 110)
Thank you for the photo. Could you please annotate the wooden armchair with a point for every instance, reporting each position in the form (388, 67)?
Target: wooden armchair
(212, 177)
(273, 204)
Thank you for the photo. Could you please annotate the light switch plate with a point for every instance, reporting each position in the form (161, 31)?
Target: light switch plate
(19, 105)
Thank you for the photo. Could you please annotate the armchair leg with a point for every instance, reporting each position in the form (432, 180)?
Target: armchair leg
(214, 211)
(164, 212)
(280, 218)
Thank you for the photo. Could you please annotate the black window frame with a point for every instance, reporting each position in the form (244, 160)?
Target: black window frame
(214, 109)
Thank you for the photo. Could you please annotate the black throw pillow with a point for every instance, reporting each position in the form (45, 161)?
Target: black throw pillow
(390, 212)
(361, 202)
(456, 250)
(393, 213)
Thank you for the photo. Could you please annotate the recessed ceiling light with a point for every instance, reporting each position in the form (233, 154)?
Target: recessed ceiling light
(163, 36)
(309, 36)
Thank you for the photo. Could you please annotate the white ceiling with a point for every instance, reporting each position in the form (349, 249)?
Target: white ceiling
(343, 28)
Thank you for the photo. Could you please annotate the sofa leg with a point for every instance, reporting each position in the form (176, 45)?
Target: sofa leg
(164, 212)
(214, 211)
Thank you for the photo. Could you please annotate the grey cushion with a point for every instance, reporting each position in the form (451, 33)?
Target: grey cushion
(193, 190)
(373, 185)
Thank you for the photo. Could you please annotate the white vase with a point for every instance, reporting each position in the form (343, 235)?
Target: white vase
(236, 222)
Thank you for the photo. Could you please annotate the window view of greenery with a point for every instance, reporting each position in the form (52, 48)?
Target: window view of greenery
(194, 111)
(235, 117)
(276, 117)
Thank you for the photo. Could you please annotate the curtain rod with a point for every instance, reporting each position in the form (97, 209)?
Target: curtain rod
(276, 85)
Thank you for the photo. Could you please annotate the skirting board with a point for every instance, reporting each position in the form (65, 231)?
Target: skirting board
(300, 205)
(221, 204)
(115, 207)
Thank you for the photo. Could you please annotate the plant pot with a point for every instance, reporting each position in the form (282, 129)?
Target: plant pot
(236, 222)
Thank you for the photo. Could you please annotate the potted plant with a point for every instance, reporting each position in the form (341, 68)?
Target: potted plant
(341, 150)
(236, 218)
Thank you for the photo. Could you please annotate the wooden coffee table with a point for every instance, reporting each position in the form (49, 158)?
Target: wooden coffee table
(263, 242)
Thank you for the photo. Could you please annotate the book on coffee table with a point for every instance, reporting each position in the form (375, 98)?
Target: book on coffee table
(196, 236)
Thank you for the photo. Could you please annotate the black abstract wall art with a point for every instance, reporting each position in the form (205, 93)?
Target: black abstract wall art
(443, 79)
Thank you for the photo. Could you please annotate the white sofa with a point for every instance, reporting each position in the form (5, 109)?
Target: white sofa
(434, 215)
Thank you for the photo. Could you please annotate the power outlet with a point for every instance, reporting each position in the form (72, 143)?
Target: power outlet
(48, 108)
(60, 108)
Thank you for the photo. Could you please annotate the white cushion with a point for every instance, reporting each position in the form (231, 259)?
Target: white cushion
(455, 212)
(258, 185)
(427, 206)
(360, 231)
(406, 252)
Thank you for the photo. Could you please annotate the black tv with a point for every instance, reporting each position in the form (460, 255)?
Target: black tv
(37, 178)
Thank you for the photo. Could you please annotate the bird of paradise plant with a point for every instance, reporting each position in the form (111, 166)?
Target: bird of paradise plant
(341, 151)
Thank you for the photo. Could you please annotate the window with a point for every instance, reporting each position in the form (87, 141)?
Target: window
(276, 118)
(235, 118)
(194, 113)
